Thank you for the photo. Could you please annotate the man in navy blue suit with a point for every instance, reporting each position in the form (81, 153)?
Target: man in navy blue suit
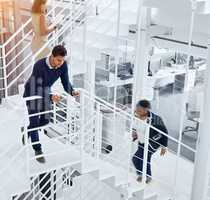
(156, 139)
(45, 73)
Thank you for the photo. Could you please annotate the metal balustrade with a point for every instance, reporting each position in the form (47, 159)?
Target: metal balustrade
(81, 141)
(81, 127)
(16, 56)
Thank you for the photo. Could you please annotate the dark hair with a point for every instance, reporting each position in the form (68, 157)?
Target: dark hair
(59, 50)
(144, 104)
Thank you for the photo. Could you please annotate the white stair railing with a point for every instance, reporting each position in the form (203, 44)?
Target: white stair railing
(48, 185)
(87, 145)
(16, 56)
(121, 154)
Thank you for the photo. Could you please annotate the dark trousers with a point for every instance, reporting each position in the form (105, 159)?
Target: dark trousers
(138, 160)
(35, 107)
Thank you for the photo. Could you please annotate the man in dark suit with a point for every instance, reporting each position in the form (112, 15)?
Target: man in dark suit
(45, 73)
(156, 139)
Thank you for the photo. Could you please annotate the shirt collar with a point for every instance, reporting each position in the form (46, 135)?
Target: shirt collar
(48, 62)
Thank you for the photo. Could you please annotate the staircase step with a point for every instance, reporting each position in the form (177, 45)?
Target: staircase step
(14, 181)
(137, 195)
(66, 155)
(151, 197)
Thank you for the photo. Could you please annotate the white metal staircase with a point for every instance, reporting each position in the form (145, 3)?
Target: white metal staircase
(84, 155)
(17, 58)
(78, 146)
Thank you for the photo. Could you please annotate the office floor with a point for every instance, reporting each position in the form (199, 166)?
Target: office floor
(169, 107)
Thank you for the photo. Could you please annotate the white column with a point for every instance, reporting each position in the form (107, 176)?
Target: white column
(142, 45)
(201, 170)
(84, 52)
(117, 53)
(118, 18)
(89, 84)
(185, 93)
(188, 80)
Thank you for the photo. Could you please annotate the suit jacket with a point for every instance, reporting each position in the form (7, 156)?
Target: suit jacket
(157, 139)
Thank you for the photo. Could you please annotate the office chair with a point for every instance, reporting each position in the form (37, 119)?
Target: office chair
(192, 116)
(125, 71)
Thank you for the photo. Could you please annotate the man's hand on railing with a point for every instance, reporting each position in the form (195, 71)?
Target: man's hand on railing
(75, 93)
(134, 135)
(163, 151)
(55, 98)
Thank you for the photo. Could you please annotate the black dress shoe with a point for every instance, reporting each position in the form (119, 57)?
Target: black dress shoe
(41, 158)
(23, 140)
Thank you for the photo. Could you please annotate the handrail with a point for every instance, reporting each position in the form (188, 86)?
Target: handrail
(130, 115)
(180, 42)
(16, 33)
(18, 43)
(22, 28)
(96, 100)
(13, 59)
(58, 34)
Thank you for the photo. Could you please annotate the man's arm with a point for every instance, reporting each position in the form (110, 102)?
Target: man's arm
(161, 126)
(65, 80)
(164, 142)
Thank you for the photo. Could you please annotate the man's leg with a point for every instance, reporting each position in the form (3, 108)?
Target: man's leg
(149, 171)
(138, 159)
(34, 135)
(138, 163)
(45, 118)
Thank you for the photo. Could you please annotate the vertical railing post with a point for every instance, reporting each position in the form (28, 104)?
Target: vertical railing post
(25, 136)
(116, 75)
(4, 70)
(129, 140)
(146, 149)
(82, 123)
(51, 184)
(71, 121)
(84, 53)
(68, 118)
(118, 18)
(98, 131)
(54, 113)
(53, 19)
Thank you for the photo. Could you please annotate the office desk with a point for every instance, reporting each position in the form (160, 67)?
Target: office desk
(161, 79)
(109, 85)
(166, 76)
(119, 82)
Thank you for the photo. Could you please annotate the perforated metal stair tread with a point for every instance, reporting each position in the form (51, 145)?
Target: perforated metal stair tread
(63, 155)
(13, 181)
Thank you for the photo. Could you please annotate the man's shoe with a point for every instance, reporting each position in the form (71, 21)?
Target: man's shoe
(148, 180)
(139, 179)
(45, 132)
(23, 140)
(41, 158)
